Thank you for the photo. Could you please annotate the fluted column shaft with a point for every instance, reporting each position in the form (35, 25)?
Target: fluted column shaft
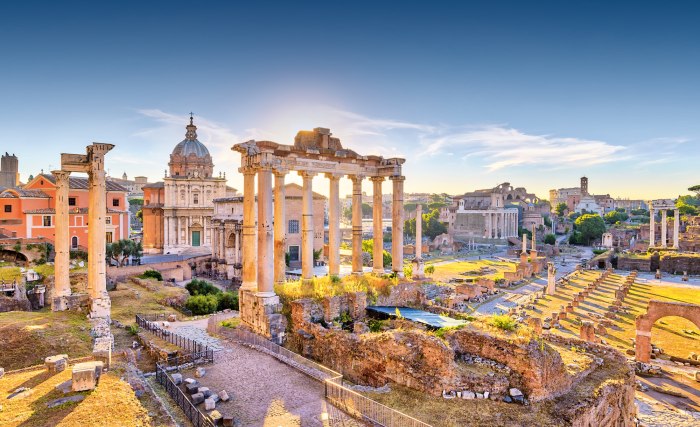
(397, 225)
(280, 230)
(652, 227)
(62, 238)
(307, 226)
(265, 234)
(676, 227)
(334, 225)
(378, 234)
(419, 231)
(248, 252)
(356, 224)
(664, 226)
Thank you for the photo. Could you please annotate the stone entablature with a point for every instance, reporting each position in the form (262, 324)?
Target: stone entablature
(663, 205)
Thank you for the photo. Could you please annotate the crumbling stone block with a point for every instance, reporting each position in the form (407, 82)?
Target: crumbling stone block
(197, 398)
(86, 375)
(57, 363)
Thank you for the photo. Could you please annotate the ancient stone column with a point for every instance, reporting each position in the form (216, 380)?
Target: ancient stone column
(664, 226)
(397, 225)
(356, 224)
(97, 268)
(378, 234)
(676, 227)
(249, 273)
(61, 242)
(280, 228)
(652, 227)
(266, 248)
(551, 279)
(524, 248)
(334, 225)
(418, 259)
(307, 226)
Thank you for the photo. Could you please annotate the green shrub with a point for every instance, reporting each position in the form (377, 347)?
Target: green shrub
(228, 300)
(202, 304)
(201, 287)
(133, 329)
(231, 323)
(430, 269)
(375, 325)
(599, 251)
(440, 333)
(503, 322)
(152, 274)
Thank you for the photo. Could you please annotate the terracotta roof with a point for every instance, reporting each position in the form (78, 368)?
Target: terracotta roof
(159, 184)
(51, 211)
(25, 193)
(78, 183)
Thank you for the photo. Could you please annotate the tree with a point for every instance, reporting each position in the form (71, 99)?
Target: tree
(573, 216)
(366, 210)
(616, 216)
(136, 202)
(590, 226)
(561, 209)
(368, 246)
(139, 215)
(122, 249)
(695, 189)
(347, 213)
(550, 239)
(688, 205)
(547, 221)
(432, 227)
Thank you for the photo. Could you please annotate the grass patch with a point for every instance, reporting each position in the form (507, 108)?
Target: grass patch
(10, 274)
(231, 323)
(503, 322)
(112, 403)
(130, 299)
(26, 338)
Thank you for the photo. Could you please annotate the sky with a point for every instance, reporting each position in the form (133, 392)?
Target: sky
(471, 93)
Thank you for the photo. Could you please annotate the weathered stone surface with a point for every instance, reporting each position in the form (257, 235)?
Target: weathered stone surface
(85, 375)
(209, 404)
(192, 388)
(199, 372)
(177, 379)
(57, 363)
(205, 391)
(61, 401)
(223, 394)
(197, 398)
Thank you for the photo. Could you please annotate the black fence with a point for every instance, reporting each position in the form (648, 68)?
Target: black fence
(196, 417)
(149, 322)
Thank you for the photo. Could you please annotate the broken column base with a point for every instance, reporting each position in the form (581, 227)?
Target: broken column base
(100, 307)
(418, 269)
(263, 315)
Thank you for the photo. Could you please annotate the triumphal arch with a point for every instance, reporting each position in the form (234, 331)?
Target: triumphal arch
(313, 153)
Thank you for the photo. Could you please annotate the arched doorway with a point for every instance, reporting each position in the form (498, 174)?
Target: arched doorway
(655, 311)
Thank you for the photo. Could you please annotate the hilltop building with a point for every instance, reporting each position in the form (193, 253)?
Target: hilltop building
(9, 171)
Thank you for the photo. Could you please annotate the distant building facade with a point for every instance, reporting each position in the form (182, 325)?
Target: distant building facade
(9, 171)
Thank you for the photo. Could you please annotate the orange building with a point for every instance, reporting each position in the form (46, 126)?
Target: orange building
(29, 211)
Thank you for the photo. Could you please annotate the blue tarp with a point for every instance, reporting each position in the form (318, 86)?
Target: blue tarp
(420, 316)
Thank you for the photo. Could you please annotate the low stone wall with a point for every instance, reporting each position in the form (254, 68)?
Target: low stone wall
(639, 264)
(678, 263)
(117, 274)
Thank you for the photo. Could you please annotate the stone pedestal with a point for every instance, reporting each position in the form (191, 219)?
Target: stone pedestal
(263, 315)
(86, 375)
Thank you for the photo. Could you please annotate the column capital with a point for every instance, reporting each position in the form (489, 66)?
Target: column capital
(280, 172)
(397, 178)
(356, 178)
(333, 176)
(306, 174)
(248, 170)
(60, 175)
(376, 178)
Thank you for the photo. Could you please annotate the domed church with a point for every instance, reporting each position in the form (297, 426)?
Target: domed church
(177, 212)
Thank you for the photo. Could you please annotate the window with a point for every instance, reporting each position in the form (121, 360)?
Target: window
(108, 237)
(71, 201)
(293, 226)
(115, 202)
(47, 221)
(108, 220)
(294, 253)
(74, 242)
(8, 208)
(195, 198)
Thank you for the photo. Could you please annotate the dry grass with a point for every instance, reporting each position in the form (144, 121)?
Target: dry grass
(26, 338)
(321, 287)
(112, 403)
(9, 274)
(445, 272)
(667, 332)
(130, 299)
(440, 412)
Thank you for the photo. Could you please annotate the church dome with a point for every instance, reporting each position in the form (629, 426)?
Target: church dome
(191, 146)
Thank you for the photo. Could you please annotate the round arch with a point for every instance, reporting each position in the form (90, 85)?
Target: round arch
(655, 311)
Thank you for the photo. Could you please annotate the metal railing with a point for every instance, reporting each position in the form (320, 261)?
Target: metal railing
(196, 417)
(350, 401)
(149, 323)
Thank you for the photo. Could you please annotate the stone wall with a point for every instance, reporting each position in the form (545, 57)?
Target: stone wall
(678, 263)
(117, 274)
(404, 294)
(639, 264)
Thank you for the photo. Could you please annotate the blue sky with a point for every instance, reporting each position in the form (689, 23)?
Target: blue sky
(471, 93)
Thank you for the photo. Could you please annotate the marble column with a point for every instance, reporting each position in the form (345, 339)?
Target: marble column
(97, 266)
(664, 226)
(397, 225)
(676, 227)
(307, 226)
(356, 224)
(266, 248)
(280, 228)
(61, 241)
(652, 227)
(334, 225)
(378, 234)
(418, 268)
(488, 225)
(249, 254)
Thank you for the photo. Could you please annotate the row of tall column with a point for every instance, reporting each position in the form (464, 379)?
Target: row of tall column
(664, 226)
(264, 266)
(500, 225)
